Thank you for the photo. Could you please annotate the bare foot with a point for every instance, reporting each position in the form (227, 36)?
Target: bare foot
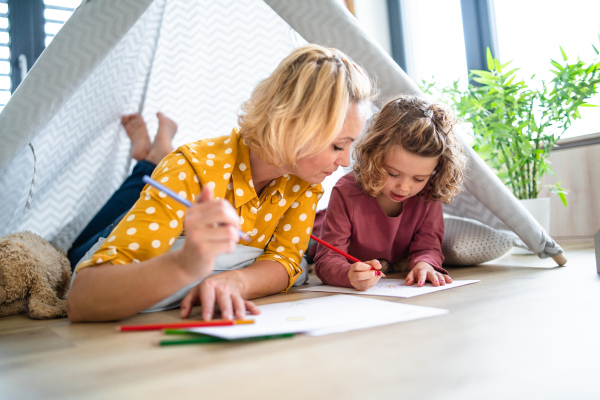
(138, 134)
(162, 141)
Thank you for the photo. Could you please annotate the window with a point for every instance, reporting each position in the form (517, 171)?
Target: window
(26, 28)
(56, 12)
(530, 33)
(5, 70)
(428, 40)
(434, 41)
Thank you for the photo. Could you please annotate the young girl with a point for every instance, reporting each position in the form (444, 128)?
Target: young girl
(390, 207)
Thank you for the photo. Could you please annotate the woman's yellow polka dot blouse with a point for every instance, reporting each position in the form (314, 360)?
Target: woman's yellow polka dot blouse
(279, 221)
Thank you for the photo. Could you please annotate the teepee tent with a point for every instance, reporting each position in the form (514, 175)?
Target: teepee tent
(64, 151)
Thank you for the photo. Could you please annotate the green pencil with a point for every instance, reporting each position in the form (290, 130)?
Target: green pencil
(201, 338)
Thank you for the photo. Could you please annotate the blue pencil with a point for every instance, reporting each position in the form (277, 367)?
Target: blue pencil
(180, 199)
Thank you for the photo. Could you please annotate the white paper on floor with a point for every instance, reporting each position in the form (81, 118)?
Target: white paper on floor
(390, 287)
(322, 315)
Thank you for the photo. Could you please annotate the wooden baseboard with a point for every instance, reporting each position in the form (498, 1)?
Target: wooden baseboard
(574, 240)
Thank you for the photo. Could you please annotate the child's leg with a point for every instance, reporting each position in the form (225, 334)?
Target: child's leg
(128, 193)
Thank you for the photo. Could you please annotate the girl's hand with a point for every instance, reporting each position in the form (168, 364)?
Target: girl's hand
(362, 277)
(423, 272)
(211, 228)
(223, 290)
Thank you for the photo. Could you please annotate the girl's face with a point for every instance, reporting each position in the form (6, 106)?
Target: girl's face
(316, 168)
(408, 174)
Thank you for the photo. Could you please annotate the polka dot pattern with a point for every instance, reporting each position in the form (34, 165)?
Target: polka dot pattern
(279, 222)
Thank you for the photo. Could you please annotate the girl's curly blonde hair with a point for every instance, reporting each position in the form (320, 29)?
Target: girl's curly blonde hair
(419, 127)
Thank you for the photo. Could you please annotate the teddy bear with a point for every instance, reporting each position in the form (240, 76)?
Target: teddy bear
(34, 277)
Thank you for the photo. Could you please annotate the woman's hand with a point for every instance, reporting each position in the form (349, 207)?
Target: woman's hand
(362, 277)
(423, 272)
(211, 228)
(224, 290)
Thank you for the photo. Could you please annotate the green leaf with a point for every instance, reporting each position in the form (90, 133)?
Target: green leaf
(514, 126)
(564, 55)
(563, 198)
(557, 65)
(511, 72)
(490, 59)
(497, 65)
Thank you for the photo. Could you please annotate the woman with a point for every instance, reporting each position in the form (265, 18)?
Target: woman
(296, 129)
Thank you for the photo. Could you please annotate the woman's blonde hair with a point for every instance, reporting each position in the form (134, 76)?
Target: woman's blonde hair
(301, 107)
(419, 127)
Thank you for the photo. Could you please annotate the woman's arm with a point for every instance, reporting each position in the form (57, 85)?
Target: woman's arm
(109, 292)
(274, 271)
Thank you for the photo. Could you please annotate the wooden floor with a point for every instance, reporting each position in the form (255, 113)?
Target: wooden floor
(528, 330)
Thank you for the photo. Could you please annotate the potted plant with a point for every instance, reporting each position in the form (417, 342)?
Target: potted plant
(514, 125)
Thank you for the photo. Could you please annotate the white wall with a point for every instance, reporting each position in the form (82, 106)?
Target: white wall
(372, 16)
(578, 170)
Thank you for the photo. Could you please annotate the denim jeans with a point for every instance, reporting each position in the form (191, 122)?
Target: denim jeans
(112, 212)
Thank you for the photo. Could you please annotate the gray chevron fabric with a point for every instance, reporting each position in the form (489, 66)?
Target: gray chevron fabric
(196, 61)
(329, 23)
(209, 57)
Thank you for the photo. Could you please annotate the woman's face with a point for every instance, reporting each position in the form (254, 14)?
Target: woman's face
(316, 168)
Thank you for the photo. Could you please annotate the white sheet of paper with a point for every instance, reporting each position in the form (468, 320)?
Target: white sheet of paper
(390, 287)
(322, 315)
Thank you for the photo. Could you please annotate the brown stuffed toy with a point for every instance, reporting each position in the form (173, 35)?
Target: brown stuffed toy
(34, 277)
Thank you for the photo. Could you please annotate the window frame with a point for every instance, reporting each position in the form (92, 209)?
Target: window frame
(26, 30)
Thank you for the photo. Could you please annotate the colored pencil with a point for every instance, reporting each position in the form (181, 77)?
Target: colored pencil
(348, 256)
(187, 324)
(180, 199)
(200, 339)
(324, 243)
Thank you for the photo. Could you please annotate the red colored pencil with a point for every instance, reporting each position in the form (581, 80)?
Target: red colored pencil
(324, 243)
(348, 256)
(187, 324)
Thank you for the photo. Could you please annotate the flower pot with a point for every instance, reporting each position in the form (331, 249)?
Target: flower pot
(540, 210)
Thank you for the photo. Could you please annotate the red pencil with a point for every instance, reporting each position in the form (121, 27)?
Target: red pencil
(187, 324)
(324, 243)
(348, 256)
